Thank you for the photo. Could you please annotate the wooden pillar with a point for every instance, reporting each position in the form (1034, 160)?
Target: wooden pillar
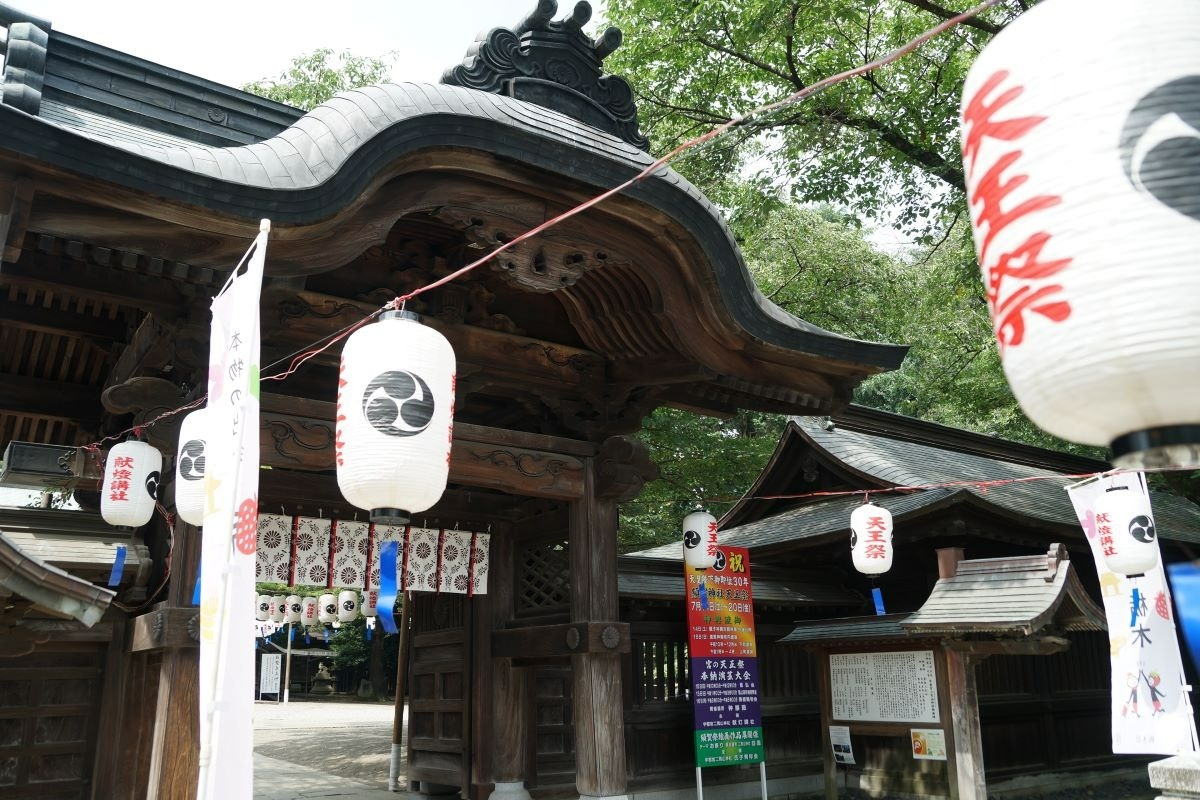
(175, 754)
(967, 770)
(616, 474)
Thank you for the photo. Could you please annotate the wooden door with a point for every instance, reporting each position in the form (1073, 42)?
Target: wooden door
(439, 719)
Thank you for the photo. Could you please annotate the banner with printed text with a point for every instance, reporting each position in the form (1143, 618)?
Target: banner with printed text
(230, 536)
(723, 658)
(1151, 712)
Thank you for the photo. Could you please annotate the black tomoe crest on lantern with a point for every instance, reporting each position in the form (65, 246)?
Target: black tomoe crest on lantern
(699, 539)
(395, 413)
(190, 463)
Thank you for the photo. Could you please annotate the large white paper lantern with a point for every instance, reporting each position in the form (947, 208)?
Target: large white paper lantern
(131, 476)
(699, 539)
(294, 608)
(871, 539)
(347, 608)
(369, 599)
(189, 468)
(1081, 145)
(1125, 525)
(278, 609)
(308, 612)
(262, 608)
(395, 413)
(327, 609)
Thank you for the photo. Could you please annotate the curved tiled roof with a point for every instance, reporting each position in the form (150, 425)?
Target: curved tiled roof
(323, 163)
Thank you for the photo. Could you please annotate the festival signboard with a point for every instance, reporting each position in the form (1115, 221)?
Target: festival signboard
(724, 661)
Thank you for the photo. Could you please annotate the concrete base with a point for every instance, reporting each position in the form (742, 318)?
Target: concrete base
(749, 790)
(514, 790)
(1176, 777)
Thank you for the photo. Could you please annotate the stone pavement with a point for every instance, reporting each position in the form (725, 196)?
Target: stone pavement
(281, 780)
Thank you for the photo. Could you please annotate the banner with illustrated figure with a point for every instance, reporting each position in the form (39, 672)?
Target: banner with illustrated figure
(1151, 710)
(230, 536)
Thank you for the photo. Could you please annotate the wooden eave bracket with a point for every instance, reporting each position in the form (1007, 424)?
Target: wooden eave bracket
(16, 201)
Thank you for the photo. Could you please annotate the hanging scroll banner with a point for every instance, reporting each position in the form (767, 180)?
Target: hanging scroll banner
(230, 535)
(724, 661)
(1151, 712)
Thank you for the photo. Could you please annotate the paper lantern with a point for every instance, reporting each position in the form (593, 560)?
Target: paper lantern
(369, 599)
(699, 539)
(278, 609)
(189, 468)
(131, 476)
(395, 411)
(294, 608)
(347, 606)
(327, 609)
(871, 539)
(262, 609)
(1125, 525)
(308, 612)
(1081, 140)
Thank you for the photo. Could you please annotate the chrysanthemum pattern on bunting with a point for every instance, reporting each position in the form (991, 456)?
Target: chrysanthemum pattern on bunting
(387, 533)
(274, 551)
(350, 554)
(480, 556)
(456, 562)
(312, 553)
(421, 572)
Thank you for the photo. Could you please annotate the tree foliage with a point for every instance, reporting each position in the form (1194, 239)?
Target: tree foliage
(315, 77)
(885, 143)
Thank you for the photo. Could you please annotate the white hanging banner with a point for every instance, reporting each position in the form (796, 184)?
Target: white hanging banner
(273, 556)
(1151, 712)
(421, 566)
(230, 535)
(455, 573)
(382, 535)
(480, 553)
(350, 554)
(311, 567)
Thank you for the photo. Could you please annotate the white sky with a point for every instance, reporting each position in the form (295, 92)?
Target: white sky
(235, 42)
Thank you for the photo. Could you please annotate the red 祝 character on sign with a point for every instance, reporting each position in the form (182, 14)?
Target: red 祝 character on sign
(993, 210)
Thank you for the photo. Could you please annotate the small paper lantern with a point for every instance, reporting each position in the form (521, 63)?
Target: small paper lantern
(262, 610)
(395, 409)
(1080, 146)
(347, 608)
(1125, 525)
(294, 608)
(189, 468)
(278, 609)
(871, 539)
(308, 612)
(369, 599)
(327, 609)
(699, 540)
(131, 476)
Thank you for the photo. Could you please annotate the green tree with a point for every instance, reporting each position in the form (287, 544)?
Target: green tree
(884, 143)
(315, 77)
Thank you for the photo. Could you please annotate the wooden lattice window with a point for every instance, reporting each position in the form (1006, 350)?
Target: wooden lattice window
(543, 580)
(660, 670)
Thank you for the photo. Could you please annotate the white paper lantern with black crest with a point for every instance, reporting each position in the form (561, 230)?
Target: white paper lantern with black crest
(1125, 525)
(395, 409)
(347, 608)
(294, 608)
(262, 608)
(278, 609)
(189, 468)
(699, 539)
(871, 539)
(131, 476)
(1081, 149)
(327, 609)
(308, 611)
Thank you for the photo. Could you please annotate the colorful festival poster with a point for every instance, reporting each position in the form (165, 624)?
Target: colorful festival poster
(1151, 711)
(230, 535)
(724, 661)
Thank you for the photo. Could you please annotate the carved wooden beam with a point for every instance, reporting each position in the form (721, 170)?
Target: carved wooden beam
(166, 628)
(560, 641)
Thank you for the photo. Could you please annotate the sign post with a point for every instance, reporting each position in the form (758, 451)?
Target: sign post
(723, 658)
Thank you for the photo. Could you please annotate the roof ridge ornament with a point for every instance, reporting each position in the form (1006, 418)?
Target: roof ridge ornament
(553, 64)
